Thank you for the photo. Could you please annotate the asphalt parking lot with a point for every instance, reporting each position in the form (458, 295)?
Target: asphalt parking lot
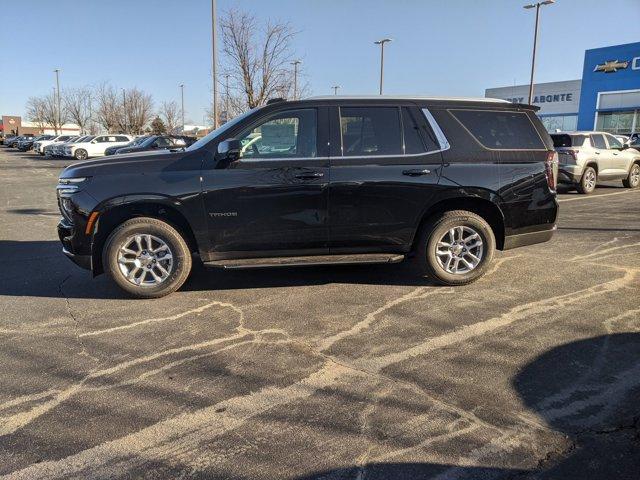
(335, 373)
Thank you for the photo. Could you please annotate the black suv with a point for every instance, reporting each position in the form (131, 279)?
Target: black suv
(327, 180)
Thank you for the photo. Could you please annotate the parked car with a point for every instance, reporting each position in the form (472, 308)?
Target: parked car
(4, 138)
(13, 142)
(134, 142)
(57, 149)
(26, 144)
(96, 146)
(634, 142)
(588, 157)
(158, 142)
(333, 180)
(41, 144)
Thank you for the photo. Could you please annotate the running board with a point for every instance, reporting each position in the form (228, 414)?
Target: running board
(366, 258)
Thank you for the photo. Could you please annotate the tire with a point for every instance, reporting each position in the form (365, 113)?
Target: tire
(633, 179)
(143, 283)
(588, 181)
(429, 263)
(80, 154)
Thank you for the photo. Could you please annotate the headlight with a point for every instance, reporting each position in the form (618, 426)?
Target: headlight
(70, 185)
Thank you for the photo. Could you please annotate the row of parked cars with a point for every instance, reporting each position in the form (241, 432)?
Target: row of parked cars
(82, 147)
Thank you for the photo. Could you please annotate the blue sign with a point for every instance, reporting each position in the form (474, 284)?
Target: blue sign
(608, 69)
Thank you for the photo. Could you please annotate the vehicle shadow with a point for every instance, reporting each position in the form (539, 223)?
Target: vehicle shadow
(588, 390)
(53, 268)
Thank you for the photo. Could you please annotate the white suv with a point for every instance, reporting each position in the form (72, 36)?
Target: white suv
(588, 157)
(95, 147)
(39, 145)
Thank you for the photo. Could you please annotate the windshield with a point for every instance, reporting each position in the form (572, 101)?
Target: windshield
(148, 141)
(138, 141)
(220, 130)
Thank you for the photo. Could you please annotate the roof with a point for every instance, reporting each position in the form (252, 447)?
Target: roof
(407, 97)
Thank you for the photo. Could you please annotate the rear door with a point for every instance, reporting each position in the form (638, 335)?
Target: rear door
(385, 167)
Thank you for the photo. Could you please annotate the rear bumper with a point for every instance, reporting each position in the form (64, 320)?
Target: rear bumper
(530, 238)
(569, 174)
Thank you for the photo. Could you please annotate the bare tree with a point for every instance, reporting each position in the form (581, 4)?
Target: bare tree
(107, 107)
(258, 57)
(136, 111)
(77, 104)
(170, 114)
(35, 110)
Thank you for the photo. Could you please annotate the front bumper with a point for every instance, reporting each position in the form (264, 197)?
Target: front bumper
(569, 174)
(67, 235)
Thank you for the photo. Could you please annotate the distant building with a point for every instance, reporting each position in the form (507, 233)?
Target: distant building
(606, 98)
(194, 130)
(14, 125)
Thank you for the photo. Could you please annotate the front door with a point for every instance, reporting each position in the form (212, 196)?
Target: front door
(272, 200)
(621, 160)
(385, 167)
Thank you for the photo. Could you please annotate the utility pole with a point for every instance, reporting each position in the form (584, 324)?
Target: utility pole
(90, 121)
(124, 109)
(182, 108)
(535, 42)
(381, 43)
(214, 62)
(57, 70)
(226, 97)
(295, 64)
(335, 89)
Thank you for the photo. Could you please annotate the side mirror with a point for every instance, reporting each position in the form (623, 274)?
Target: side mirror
(229, 149)
(94, 141)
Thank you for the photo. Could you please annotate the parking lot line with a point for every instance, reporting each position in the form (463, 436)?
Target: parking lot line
(589, 197)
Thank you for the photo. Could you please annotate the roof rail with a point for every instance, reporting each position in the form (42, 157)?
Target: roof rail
(276, 100)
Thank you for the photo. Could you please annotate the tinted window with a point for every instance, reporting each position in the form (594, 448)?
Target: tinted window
(122, 139)
(598, 141)
(565, 140)
(500, 130)
(162, 142)
(412, 138)
(287, 134)
(370, 131)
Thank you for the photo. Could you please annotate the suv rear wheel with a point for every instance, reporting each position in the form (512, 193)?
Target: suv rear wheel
(633, 179)
(147, 257)
(455, 248)
(588, 181)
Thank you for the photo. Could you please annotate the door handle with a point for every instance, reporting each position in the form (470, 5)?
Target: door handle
(615, 153)
(309, 175)
(597, 153)
(416, 172)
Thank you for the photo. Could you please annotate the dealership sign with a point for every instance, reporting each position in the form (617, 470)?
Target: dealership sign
(612, 66)
(551, 98)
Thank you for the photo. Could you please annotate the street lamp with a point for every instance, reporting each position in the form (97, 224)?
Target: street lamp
(124, 109)
(182, 108)
(213, 67)
(335, 89)
(535, 41)
(381, 43)
(295, 64)
(57, 71)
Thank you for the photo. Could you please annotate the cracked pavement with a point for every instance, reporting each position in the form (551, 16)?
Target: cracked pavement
(334, 372)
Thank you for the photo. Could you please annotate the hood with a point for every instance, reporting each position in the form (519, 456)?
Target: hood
(145, 162)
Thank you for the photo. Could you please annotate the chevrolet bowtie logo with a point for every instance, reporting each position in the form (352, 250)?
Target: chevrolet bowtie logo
(611, 66)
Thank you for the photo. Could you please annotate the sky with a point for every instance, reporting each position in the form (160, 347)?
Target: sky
(440, 47)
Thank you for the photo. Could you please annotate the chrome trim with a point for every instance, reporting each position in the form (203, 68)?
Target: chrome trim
(440, 136)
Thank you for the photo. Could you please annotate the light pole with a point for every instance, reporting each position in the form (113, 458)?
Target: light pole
(535, 41)
(213, 67)
(57, 70)
(381, 43)
(226, 97)
(182, 108)
(124, 109)
(295, 64)
(335, 89)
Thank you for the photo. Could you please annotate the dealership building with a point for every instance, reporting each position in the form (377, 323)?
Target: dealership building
(606, 98)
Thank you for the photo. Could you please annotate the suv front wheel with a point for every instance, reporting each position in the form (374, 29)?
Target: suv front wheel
(633, 179)
(455, 248)
(147, 257)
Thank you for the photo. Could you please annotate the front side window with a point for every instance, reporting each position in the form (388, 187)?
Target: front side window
(290, 134)
(162, 142)
(500, 130)
(370, 131)
(598, 141)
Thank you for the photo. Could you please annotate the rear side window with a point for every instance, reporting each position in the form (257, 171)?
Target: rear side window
(370, 131)
(598, 141)
(564, 140)
(500, 130)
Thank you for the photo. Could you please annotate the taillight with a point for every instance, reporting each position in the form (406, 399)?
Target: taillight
(551, 169)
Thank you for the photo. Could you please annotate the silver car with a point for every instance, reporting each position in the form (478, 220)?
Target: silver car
(588, 157)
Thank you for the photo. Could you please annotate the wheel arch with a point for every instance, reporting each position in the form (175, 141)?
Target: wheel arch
(115, 214)
(484, 207)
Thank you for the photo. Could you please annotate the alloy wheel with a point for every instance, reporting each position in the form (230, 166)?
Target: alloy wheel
(634, 178)
(145, 260)
(459, 250)
(590, 180)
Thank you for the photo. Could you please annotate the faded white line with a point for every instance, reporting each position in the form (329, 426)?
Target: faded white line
(591, 197)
